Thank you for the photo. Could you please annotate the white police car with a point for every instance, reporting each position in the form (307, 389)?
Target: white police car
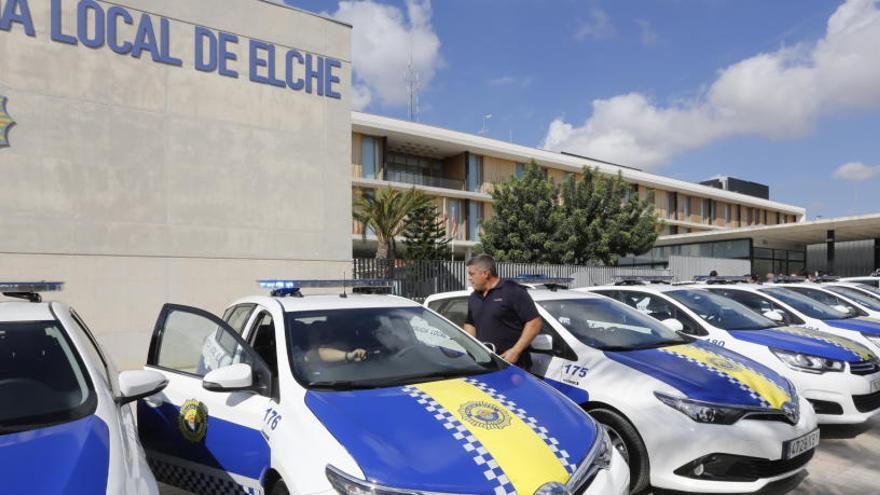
(687, 415)
(65, 422)
(845, 297)
(824, 367)
(871, 280)
(352, 395)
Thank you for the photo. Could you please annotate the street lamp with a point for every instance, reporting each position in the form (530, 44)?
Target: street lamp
(484, 129)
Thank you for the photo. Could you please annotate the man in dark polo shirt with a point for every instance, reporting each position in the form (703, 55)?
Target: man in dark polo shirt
(501, 312)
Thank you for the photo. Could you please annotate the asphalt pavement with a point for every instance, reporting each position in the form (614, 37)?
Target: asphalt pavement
(847, 462)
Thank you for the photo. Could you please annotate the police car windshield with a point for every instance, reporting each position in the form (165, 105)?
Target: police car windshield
(721, 312)
(380, 347)
(42, 379)
(804, 304)
(611, 326)
(869, 301)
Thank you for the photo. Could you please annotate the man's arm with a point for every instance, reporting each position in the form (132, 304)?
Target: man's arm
(470, 329)
(531, 329)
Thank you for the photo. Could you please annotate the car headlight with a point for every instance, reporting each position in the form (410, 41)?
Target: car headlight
(599, 457)
(807, 362)
(346, 484)
(873, 338)
(702, 412)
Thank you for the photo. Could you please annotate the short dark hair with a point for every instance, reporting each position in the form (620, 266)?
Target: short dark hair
(484, 262)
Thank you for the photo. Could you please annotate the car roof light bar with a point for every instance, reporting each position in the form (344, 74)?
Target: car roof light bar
(722, 279)
(282, 288)
(639, 279)
(29, 290)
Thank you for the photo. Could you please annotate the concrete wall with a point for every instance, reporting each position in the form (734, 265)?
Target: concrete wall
(138, 182)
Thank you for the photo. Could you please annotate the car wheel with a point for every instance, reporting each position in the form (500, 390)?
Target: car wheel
(279, 488)
(629, 444)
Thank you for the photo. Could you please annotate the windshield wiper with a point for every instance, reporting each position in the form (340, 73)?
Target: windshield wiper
(343, 385)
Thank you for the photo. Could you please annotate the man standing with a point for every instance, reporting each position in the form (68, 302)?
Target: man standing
(501, 312)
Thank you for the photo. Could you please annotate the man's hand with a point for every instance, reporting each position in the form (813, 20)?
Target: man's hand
(356, 355)
(511, 355)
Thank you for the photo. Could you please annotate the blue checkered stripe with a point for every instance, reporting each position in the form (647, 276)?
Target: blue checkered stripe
(745, 388)
(521, 413)
(482, 457)
(840, 342)
(199, 482)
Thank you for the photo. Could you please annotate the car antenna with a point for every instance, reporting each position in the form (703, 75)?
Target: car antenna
(343, 295)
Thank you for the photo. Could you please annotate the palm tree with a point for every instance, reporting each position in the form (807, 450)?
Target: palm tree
(385, 213)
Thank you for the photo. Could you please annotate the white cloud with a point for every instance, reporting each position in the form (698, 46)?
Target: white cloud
(778, 94)
(383, 40)
(501, 81)
(856, 171)
(648, 34)
(598, 26)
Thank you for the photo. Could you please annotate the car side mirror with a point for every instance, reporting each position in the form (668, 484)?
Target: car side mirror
(232, 378)
(490, 345)
(774, 315)
(842, 309)
(139, 384)
(542, 343)
(673, 324)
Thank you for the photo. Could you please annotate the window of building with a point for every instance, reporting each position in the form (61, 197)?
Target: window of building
(671, 204)
(727, 214)
(475, 218)
(651, 195)
(687, 208)
(453, 217)
(520, 169)
(778, 217)
(474, 172)
(370, 155)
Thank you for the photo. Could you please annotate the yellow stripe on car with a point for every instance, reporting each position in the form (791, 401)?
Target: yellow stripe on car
(523, 456)
(765, 388)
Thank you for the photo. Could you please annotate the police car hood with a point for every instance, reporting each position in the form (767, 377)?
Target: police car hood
(502, 430)
(865, 325)
(67, 458)
(705, 372)
(807, 341)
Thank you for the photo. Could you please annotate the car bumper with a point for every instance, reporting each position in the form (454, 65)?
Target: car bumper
(611, 481)
(758, 440)
(840, 398)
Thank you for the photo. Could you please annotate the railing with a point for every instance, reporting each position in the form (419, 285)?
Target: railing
(419, 279)
(416, 175)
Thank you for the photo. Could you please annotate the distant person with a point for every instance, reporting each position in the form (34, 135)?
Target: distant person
(753, 278)
(713, 273)
(501, 312)
(770, 278)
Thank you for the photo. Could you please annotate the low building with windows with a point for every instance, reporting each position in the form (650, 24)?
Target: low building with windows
(459, 171)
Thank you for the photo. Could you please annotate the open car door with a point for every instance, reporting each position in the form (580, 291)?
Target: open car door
(203, 432)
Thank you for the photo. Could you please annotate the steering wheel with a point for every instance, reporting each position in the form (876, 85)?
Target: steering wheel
(406, 350)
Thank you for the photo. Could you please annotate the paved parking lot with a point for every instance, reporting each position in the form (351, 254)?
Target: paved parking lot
(847, 463)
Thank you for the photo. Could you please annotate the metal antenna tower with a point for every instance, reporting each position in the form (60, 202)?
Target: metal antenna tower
(412, 87)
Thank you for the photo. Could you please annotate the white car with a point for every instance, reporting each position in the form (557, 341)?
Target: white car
(848, 300)
(359, 394)
(872, 280)
(824, 367)
(687, 415)
(66, 425)
(865, 297)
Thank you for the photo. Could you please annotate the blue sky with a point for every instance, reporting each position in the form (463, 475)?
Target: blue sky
(786, 111)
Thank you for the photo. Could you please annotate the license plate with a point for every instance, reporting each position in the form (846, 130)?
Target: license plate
(875, 386)
(798, 446)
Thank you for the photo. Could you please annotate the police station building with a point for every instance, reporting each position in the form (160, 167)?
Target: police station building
(156, 151)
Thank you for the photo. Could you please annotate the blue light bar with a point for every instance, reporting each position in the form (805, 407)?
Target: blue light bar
(722, 279)
(29, 290)
(650, 279)
(788, 279)
(537, 279)
(311, 284)
(31, 286)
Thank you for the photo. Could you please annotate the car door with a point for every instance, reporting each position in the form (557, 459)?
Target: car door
(200, 440)
(658, 308)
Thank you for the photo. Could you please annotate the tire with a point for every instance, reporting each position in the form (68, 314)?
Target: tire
(279, 488)
(629, 444)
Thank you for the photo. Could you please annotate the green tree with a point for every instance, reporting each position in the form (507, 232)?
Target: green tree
(385, 213)
(600, 223)
(526, 219)
(425, 235)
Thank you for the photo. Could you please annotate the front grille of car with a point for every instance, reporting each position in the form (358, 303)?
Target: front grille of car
(868, 402)
(727, 467)
(864, 367)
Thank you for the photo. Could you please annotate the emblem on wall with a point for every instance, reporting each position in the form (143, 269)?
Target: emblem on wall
(192, 421)
(485, 415)
(6, 123)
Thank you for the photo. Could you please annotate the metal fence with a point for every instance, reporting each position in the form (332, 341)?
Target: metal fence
(419, 279)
